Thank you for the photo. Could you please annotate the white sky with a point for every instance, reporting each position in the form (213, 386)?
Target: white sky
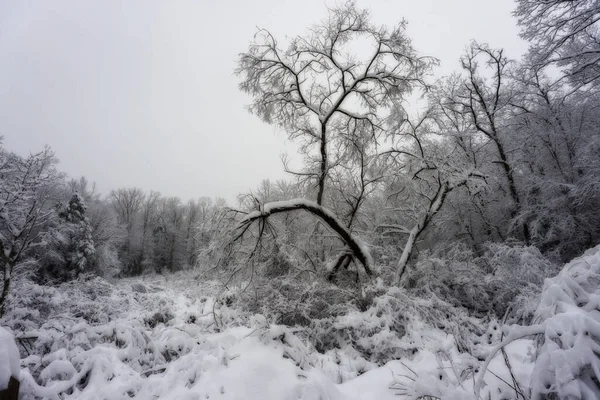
(142, 93)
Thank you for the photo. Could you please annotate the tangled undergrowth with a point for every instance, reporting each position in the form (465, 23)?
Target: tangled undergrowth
(178, 336)
(503, 282)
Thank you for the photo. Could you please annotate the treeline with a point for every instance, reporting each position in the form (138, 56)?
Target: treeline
(161, 233)
(53, 228)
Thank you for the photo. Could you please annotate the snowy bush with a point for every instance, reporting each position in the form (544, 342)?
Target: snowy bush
(503, 280)
(160, 344)
(567, 326)
(184, 337)
(292, 300)
(353, 332)
(392, 327)
(568, 363)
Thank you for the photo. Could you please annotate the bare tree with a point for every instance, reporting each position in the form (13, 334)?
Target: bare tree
(486, 101)
(352, 183)
(128, 203)
(558, 138)
(427, 170)
(171, 219)
(149, 217)
(316, 90)
(334, 102)
(25, 188)
(193, 213)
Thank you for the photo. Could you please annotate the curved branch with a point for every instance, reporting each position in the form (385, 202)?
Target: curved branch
(358, 249)
(517, 334)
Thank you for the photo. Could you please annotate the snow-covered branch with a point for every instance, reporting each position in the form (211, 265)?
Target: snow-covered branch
(359, 250)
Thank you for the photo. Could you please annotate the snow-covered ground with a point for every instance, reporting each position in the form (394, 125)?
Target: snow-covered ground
(167, 338)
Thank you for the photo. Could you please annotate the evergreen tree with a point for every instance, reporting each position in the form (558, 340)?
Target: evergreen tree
(70, 245)
(81, 252)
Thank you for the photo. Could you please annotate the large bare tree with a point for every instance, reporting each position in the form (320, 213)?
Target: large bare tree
(483, 94)
(319, 91)
(333, 100)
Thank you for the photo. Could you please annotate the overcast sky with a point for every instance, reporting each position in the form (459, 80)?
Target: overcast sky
(142, 93)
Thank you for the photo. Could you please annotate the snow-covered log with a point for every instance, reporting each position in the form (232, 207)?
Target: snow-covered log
(359, 250)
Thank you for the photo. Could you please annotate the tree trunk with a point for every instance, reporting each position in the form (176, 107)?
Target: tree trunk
(421, 224)
(8, 267)
(407, 252)
(323, 171)
(512, 188)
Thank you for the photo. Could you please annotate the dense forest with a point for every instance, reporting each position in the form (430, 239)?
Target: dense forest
(429, 221)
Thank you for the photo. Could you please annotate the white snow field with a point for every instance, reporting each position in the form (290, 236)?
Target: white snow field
(167, 338)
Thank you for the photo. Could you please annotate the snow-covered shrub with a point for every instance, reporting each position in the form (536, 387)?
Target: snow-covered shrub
(457, 277)
(374, 325)
(139, 288)
(503, 280)
(515, 270)
(89, 338)
(392, 327)
(88, 330)
(291, 300)
(66, 356)
(567, 327)
(568, 363)
(352, 332)
(159, 317)
(344, 332)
